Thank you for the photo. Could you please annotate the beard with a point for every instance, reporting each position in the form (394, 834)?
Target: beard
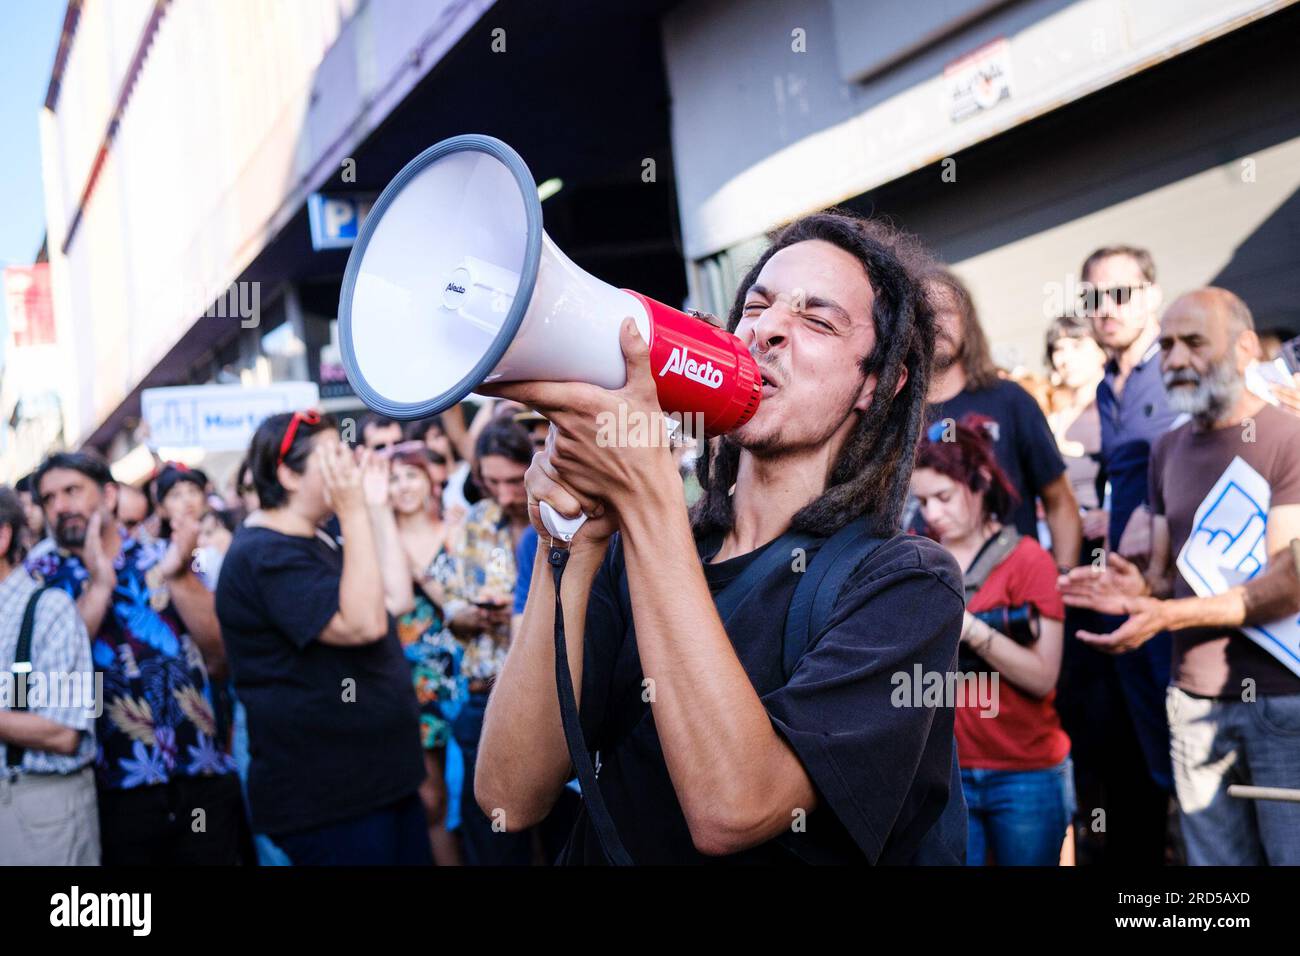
(946, 353)
(516, 512)
(795, 430)
(70, 531)
(1210, 396)
(1119, 339)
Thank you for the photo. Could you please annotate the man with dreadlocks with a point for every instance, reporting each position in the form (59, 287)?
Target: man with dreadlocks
(705, 746)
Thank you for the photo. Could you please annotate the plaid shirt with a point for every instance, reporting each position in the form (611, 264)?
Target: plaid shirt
(60, 649)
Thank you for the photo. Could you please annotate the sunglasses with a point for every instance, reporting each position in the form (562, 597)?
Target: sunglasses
(310, 417)
(1090, 296)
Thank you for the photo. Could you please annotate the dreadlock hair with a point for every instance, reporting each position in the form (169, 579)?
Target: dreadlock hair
(870, 477)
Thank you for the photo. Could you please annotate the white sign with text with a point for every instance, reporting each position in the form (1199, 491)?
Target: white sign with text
(218, 417)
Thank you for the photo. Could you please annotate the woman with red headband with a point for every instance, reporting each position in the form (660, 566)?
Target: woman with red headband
(1014, 756)
(308, 621)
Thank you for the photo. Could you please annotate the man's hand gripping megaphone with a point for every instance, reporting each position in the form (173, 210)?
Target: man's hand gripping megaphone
(602, 455)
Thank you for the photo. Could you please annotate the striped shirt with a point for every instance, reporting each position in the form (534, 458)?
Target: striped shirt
(60, 658)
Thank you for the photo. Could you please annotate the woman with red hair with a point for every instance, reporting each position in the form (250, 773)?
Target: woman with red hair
(1014, 756)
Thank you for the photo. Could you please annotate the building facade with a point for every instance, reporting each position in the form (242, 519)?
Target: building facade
(206, 161)
(1014, 137)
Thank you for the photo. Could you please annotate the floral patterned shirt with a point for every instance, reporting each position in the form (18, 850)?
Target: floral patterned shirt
(479, 565)
(157, 722)
(433, 656)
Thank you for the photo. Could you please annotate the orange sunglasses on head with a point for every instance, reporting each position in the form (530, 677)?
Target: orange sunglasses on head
(310, 417)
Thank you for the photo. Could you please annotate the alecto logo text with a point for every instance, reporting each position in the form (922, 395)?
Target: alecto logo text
(681, 363)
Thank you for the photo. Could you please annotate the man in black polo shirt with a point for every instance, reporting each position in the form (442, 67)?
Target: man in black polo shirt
(706, 749)
(966, 381)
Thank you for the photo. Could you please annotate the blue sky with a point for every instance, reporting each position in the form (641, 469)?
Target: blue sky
(31, 36)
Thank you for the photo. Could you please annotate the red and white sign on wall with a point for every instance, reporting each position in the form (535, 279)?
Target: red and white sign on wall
(978, 81)
(29, 304)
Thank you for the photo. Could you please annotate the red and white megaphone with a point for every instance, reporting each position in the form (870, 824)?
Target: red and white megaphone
(452, 284)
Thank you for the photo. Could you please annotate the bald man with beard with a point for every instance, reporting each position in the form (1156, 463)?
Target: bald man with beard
(1234, 699)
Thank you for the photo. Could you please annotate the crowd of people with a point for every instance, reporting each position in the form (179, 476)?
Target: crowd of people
(268, 695)
(297, 670)
(1155, 700)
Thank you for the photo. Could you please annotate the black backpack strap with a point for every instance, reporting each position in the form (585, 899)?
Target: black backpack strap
(815, 595)
(814, 598)
(21, 667)
(776, 554)
(780, 552)
(606, 832)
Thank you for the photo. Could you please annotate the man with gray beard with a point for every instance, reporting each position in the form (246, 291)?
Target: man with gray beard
(1225, 495)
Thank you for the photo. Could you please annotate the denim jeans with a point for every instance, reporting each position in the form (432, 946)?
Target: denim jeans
(1018, 816)
(395, 835)
(1219, 742)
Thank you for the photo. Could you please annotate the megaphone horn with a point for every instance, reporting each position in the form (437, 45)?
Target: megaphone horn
(452, 283)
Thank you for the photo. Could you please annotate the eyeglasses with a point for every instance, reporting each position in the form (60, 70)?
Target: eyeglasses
(1090, 296)
(310, 417)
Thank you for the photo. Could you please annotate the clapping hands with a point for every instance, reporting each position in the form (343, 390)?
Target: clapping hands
(341, 477)
(185, 538)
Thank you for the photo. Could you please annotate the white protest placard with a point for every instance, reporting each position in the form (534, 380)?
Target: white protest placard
(1227, 547)
(218, 417)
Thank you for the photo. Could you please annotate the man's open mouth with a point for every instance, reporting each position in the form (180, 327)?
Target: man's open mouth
(769, 380)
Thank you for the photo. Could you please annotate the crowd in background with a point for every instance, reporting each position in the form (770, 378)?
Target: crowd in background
(1129, 703)
(296, 667)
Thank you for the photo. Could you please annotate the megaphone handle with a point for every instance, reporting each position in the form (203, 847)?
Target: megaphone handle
(559, 526)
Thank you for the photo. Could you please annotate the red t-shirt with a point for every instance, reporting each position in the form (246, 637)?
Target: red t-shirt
(1026, 734)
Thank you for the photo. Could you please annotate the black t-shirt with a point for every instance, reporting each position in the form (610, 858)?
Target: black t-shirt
(333, 731)
(881, 772)
(1022, 441)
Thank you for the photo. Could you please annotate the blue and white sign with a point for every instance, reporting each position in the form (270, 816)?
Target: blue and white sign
(336, 220)
(218, 417)
(1228, 547)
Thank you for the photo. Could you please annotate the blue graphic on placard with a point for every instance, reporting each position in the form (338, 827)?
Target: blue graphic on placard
(1228, 541)
(1228, 546)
